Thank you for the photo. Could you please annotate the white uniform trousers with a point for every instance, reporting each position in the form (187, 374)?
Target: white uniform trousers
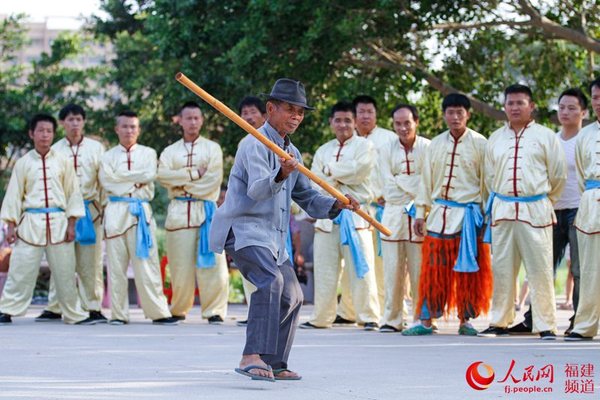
(213, 283)
(345, 307)
(148, 282)
(88, 265)
(249, 288)
(514, 242)
(22, 276)
(588, 311)
(328, 253)
(379, 272)
(398, 259)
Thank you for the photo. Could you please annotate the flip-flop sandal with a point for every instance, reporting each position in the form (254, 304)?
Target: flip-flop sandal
(246, 372)
(278, 371)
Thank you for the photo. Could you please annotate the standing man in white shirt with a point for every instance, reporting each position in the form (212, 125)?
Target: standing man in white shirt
(587, 222)
(526, 171)
(572, 109)
(85, 154)
(192, 171)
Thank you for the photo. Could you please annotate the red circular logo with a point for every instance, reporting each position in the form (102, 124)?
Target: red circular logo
(478, 381)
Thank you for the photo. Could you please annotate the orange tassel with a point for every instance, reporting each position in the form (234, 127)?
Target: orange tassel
(446, 290)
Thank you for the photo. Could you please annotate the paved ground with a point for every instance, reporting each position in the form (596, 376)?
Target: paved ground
(196, 361)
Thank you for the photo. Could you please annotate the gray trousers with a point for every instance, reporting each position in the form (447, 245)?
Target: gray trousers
(274, 306)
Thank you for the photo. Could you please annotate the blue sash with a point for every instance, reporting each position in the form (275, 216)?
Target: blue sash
(204, 257)
(85, 234)
(487, 237)
(592, 184)
(411, 210)
(44, 210)
(288, 246)
(143, 236)
(378, 216)
(349, 237)
(467, 250)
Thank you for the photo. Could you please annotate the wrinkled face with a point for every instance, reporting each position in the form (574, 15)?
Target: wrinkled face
(456, 118)
(253, 116)
(596, 101)
(342, 124)
(518, 108)
(405, 125)
(366, 117)
(284, 117)
(73, 126)
(42, 136)
(570, 111)
(128, 130)
(191, 120)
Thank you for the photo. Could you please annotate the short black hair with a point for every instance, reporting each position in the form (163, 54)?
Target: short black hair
(413, 110)
(456, 100)
(518, 88)
(190, 104)
(363, 99)
(128, 113)
(578, 93)
(71, 108)
(595, 82)
(252, 101)
(342, 106)
(42, 117)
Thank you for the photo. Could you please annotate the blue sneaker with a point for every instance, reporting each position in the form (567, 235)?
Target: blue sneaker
(417, 330)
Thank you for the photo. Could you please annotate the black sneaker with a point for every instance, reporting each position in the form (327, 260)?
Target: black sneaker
(215, 320)
(308, 325)
(117, 322)
(179, 317)
(520, 329)
(547, 335)
(166, 321)
(98, 317)
(371, 326)
(5, 319)
(576, 337)
(48, 316)
(87, 321)
(242, 323)
(342, 321)
(388, 329)
(493, 331)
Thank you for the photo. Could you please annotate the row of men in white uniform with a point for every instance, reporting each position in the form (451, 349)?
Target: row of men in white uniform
(374, 169)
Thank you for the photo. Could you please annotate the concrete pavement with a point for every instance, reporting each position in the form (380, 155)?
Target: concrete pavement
(196, 360)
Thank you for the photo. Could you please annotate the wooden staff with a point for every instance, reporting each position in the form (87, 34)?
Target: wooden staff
(223, 109)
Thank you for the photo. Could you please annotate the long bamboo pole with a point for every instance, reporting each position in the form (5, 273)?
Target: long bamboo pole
(222, 108)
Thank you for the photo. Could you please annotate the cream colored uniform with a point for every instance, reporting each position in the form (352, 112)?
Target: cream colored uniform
(178, 172)
(131, 173)
(346, 167)
(526, 163)
(42, 182)
(85, 157)
(401, 171)
(587, 222)
(381, 139)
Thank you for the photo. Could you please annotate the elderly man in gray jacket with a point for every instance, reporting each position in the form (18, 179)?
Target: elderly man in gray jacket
(252, 226)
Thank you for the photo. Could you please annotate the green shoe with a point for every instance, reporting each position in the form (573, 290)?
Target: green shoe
(417, 330)
(467, 330)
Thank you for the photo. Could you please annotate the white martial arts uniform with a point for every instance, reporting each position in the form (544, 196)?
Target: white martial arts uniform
(42, 182)
(178, 172)
(130, 173)
(520, 164)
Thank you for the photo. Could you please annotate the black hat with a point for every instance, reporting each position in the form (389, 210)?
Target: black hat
(290, 91)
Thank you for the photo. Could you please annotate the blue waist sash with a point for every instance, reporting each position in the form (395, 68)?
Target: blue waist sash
(85, 234)
(143, 236)
(378, 217)
(411, 210)
(204, 257)
(487, 237)
(44, 210)
(592, 184)
(349, 237)
(472, 221)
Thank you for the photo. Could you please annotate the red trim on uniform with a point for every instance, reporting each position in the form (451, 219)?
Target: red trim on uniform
(337, 157)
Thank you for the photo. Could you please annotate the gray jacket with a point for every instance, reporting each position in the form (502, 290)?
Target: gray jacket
(256, 207)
